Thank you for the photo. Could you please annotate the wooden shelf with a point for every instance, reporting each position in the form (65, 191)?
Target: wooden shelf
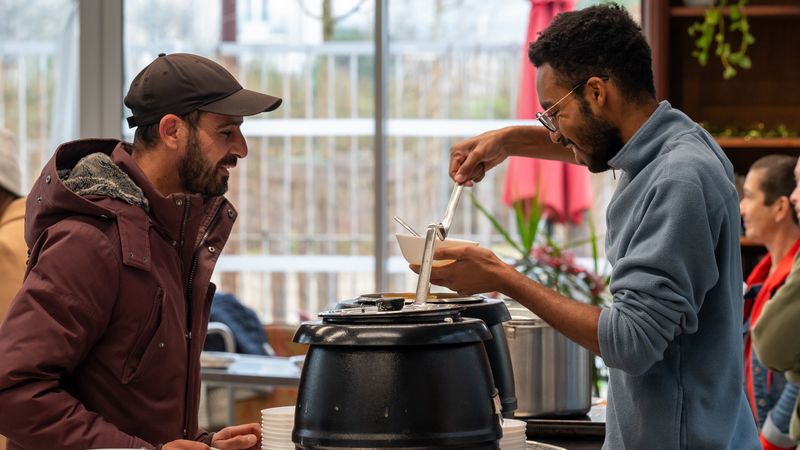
(765, 143)
(764, 94)
(744, 242)
(776, 11)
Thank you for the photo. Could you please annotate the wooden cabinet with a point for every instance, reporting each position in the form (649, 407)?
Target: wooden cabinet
(768, 93)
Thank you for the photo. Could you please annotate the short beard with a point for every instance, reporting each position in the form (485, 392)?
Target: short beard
(605, 139)
(197, 175)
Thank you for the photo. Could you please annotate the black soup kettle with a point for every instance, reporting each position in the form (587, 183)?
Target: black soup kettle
(396, 376)
(492, 312)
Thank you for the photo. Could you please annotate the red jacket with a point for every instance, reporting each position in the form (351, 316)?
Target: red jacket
(762, 393)
(101, 346)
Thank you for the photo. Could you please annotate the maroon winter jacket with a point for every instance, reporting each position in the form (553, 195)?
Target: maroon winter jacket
(101, 346)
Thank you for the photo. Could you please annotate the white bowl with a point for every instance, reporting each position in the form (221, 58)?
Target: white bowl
(412, 248)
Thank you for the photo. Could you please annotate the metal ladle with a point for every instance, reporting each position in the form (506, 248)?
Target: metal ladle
(435, 231)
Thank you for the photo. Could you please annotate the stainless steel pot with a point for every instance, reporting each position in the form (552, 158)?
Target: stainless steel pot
(552, 375)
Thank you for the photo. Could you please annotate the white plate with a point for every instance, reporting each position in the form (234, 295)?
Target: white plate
(533, 445)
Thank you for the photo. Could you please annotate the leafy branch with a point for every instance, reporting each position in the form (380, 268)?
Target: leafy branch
(712, 30)
(546, 262)
(552, 265)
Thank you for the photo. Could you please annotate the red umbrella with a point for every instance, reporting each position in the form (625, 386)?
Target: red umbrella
(564, 189)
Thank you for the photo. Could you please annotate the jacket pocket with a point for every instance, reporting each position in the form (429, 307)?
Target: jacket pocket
(146, 342)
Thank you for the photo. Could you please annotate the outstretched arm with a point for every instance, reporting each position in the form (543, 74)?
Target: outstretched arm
(478, 270)
(472, 158)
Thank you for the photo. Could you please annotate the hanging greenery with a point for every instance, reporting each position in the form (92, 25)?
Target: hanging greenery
(712, 30)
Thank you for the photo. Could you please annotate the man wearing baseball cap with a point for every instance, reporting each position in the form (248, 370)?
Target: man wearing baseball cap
(101, 345)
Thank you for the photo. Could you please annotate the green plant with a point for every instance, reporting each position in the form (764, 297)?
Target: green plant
(548, 263)
(712, 30)
(757, 130)
(538, 257)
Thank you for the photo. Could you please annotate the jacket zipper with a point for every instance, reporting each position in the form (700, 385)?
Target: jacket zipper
(187, 309)
(190, 279)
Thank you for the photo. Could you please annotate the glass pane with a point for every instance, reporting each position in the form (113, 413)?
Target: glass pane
(454, 73)
(304, 237)
(38, 78)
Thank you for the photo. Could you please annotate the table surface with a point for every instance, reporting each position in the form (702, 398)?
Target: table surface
(253, 372)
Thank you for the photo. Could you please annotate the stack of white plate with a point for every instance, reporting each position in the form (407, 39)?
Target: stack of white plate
(513, 435)
(276, 428)
(533, 445)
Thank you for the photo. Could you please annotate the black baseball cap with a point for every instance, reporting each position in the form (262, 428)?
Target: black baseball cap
(181, 83)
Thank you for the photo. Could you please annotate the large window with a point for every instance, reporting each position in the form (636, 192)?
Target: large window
(454, 71)
(307, 228)
(38, 78)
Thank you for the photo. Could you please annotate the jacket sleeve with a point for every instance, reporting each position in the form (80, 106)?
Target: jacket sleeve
(659, 285)
(774, 335)
(59, 314)
(204, 436)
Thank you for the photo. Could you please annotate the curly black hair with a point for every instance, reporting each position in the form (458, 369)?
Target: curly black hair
(601, 40)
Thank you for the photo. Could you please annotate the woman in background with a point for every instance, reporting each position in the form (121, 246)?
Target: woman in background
(769, 219)
(775, 335)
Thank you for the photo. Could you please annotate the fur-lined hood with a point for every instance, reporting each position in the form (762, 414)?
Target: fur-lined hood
(96, 174)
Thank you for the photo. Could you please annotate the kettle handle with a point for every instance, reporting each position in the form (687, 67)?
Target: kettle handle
(497, 404)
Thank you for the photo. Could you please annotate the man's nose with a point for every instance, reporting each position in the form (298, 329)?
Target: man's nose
(240, 147)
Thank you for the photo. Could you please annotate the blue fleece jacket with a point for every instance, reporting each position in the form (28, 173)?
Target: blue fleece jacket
(672, 336)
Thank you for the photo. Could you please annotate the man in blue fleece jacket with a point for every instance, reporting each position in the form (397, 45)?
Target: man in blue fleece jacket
(672, 336)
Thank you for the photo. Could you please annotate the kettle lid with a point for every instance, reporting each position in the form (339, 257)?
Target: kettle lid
(442, 332)
(383, 313)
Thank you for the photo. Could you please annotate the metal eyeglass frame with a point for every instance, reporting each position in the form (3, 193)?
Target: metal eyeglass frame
(546, 119)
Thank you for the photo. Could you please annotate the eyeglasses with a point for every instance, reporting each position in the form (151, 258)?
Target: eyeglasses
(547, 119)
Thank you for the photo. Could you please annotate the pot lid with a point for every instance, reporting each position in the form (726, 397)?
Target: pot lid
(433, 297)
(410, 313)
(442, 332)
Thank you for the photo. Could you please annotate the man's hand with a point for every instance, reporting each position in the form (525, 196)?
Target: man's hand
(470, 159)
(475, 270)
(183, 444)
(239, 437)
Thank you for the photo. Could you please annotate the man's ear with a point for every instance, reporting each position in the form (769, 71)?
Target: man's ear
(170, 130)
(784, 209)
(598, 90)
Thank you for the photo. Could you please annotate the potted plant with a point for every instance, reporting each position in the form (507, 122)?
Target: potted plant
(537, 256)
(713, 30)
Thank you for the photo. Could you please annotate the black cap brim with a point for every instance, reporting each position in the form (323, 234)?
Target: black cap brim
(243, 102)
